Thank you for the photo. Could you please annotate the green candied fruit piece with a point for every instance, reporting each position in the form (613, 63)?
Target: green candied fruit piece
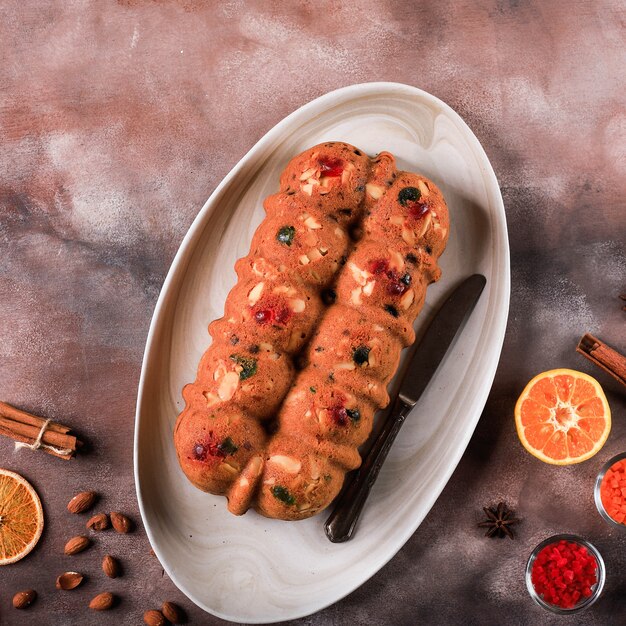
(282, 494)
(286, 234)
(354, 414)
(409, 194)
(248, 366)
(312, 389)
(361, 355)
(228, 446)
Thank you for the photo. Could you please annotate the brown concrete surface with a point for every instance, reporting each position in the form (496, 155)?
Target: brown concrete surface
(117, 120)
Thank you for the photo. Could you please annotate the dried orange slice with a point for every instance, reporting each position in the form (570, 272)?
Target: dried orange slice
(21, 517)
(563, 417)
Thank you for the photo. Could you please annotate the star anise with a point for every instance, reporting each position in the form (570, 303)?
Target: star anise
(499, 521)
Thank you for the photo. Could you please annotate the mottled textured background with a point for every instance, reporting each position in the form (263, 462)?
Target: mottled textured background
(117, 120)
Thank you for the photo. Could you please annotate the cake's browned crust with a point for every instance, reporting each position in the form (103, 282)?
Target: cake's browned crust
(307, 293)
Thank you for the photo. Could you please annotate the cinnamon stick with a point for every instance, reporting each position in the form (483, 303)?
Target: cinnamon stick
(10, 412)
(605, 357)
(25, 428)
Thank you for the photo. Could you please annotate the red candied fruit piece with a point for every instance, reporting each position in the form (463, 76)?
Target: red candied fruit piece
(417, 209)
(398, 283)
(339, 414)
(331, 167)
(207, 449)
(272, 312)
(396, 287)
(378, 266)
(264, 315)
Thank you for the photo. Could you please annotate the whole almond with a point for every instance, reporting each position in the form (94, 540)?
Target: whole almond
(102, 602)
(121, 523)
(23, 599)
(82, 501)
(76, 545)
(154, 618)
(173, 613)
(110, 566)
(69, 580)
(99, 522)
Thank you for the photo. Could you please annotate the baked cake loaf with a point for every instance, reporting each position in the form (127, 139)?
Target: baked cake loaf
(312, 332)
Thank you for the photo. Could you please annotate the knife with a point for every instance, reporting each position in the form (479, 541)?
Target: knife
(422, 365)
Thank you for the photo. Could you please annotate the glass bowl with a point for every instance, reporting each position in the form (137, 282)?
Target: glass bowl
(583, 602)
(598, 485)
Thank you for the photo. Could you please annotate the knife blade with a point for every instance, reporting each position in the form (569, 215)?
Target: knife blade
(422, 365)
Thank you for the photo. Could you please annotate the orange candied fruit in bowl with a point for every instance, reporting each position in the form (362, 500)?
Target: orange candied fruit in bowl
(613, 491)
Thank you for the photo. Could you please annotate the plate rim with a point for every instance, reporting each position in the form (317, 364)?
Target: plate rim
(186, 247)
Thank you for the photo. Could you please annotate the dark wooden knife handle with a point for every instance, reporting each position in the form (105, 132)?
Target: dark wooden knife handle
(342, 521)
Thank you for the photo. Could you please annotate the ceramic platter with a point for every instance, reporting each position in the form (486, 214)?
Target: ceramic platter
(251, 569)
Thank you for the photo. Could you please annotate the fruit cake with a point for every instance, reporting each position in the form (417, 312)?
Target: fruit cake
(312, 332)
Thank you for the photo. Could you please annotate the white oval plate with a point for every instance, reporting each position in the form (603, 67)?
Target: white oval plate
(251, 569)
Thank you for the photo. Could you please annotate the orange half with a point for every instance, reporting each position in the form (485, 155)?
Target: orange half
(563, 417)
(21, 517)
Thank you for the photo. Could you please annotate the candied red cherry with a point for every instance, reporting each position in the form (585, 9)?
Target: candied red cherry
(282, 315)
(417, 210)
(265, 315)
(205, 450)
(378, 266)
(199, 452)
(331, 167)
(396, 288)
(398, 283)
(343, 416)
(339, 414)
(209, 448)
(272, 313)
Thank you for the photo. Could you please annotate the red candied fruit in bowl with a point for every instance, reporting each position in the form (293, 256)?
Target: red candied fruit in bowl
(564, 574)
